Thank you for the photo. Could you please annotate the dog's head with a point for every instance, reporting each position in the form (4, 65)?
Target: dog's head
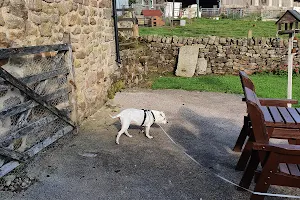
(160, 117)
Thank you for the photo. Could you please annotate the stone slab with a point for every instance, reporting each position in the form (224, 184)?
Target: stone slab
(187, 61)
(201, 66)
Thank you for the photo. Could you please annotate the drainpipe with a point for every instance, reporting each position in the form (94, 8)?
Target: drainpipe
(118, 60)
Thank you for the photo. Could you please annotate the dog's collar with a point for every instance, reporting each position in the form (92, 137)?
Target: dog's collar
(145, 115)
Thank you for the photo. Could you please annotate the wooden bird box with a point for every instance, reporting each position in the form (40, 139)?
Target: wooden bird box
(290, 19)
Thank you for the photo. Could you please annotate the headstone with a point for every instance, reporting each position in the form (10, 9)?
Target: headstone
(201, 66)
(187, 61)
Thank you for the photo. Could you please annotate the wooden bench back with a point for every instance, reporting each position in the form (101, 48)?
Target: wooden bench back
(246, 81)
(256, 116)
(251, 96)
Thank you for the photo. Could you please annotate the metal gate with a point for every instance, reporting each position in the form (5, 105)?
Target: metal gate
(37, 101)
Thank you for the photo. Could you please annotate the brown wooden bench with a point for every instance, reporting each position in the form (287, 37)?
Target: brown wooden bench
(246, 82)
(280, 163)
(278, 119)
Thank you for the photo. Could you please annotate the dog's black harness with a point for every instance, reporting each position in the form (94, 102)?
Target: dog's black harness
(145, 115)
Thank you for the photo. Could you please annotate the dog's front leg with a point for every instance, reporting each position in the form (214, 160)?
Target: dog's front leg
(147, 132)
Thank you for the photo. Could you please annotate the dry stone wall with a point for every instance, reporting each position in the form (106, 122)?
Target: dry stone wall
(219, 55)
(89, 26)
(145, 59)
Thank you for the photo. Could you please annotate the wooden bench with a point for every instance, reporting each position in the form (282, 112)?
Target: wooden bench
(280, 163)
(246, 82)
(276, 125)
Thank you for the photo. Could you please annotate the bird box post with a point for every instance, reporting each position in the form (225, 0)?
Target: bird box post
(290, 20)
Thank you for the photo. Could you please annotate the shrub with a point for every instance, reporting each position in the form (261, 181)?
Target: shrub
(116, 87)
(282, 71)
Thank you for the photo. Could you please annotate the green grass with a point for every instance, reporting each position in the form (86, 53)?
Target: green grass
(223, 28)
(267, 86)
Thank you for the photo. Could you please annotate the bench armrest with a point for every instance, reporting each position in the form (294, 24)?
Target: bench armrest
(276, 102)
(287, 149)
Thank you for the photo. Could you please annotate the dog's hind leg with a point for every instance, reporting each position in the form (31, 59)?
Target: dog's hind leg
(147, 132)
(142, 130)
(126, 133)
(124, 128)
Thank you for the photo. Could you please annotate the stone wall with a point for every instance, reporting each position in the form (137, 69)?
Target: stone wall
(144, 59)
(223, 55)
(88, 24)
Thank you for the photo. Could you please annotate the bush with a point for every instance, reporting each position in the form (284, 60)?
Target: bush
(282, 71)
(116, 87)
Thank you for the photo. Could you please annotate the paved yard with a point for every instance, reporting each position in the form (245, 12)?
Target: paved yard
(91, 166)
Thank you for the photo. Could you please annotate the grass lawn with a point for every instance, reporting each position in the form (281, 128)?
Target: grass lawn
(268, 86)
(223, 27)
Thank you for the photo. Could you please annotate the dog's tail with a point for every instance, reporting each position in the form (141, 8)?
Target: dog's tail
(116, 116)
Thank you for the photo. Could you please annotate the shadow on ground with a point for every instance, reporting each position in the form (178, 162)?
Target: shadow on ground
(206, 143)
(91, 166)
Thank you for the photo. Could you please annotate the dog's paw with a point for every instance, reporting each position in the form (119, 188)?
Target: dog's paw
(117, 142)
(149, 136)
(130, 136)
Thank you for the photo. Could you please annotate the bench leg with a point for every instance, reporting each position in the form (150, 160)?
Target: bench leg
(243, 135)
(244, 158)
(250, 170)
(265, 177)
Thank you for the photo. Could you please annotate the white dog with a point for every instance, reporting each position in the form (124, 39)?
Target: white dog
(139, 117)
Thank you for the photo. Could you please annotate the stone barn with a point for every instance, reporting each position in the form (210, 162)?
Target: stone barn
(243, 3)
(258, 3)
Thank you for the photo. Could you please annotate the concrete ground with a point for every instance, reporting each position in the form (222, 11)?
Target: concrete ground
(91, 166)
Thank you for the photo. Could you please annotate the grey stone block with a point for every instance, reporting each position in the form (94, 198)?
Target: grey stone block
(187, 61)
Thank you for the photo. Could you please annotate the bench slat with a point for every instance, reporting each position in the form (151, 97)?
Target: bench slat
(286, 115)
(250, 95)
(294, 169)
(283, 168)
(276, 115)
(298, 110)
(267, 115)
(294, 114)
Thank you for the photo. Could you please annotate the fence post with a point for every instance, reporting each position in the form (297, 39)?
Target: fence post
(73, 99)
(290, 67)
(197, 9)
(135, 29)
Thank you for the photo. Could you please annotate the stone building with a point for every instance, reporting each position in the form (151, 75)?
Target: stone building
(241, 3)
(258, 3)
(88, 24)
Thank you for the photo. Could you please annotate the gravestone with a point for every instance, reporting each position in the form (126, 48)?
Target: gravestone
(187, 61)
